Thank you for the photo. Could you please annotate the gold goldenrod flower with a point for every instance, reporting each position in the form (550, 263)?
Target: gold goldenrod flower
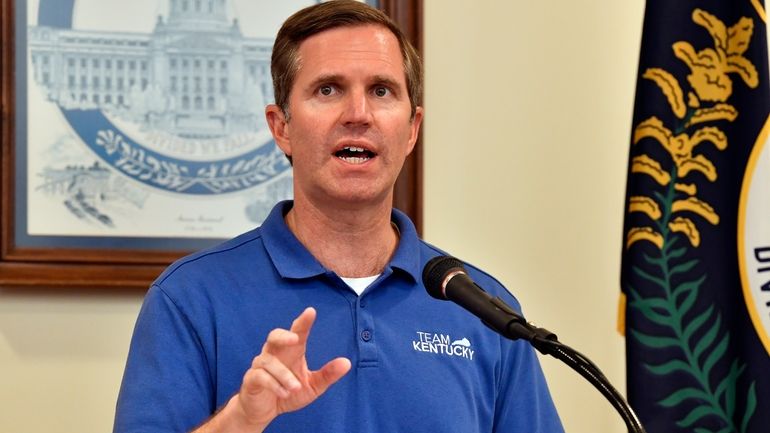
(680, 147)
(698, 163)
(686, 226)
(709, 67)
(644, 204)
(695, 205)
(644, 234)
(717, 112)
(670, 87)
(653, 128)
(712, 135)
(687, 188)
(708, 75)
(646, 165)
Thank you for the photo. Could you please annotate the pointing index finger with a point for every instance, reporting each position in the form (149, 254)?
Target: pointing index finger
(302, 324)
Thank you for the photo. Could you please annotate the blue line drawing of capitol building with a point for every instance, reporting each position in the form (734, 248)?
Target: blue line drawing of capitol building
(195, 76)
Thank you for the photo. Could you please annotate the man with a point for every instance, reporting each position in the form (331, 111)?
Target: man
(347, 113)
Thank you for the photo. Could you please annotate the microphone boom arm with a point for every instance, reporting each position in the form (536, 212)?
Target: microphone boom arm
(591, 372)
(547, 343)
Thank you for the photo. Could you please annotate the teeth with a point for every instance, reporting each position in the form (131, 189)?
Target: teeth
(354, 155)
(354, 159)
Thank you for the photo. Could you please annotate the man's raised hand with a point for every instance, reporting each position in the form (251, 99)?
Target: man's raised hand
(278, 381)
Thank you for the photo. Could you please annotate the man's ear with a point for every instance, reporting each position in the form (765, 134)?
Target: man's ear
(415, 128)
(279, 127)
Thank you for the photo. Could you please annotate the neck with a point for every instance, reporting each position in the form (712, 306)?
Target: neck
(352, 241)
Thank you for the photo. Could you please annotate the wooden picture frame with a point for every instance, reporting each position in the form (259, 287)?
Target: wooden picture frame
(103, 267)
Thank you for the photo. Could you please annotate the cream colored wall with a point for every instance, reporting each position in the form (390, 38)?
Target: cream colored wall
(527, 129)
(529, 110)
(61, 359)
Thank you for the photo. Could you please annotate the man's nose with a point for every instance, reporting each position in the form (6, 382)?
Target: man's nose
(357, 110)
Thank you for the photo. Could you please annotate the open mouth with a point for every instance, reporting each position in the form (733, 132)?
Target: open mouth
(354, 155)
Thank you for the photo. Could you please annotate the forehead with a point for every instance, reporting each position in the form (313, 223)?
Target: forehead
(349, 49)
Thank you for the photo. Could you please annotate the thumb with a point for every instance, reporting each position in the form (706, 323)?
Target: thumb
(324, 377)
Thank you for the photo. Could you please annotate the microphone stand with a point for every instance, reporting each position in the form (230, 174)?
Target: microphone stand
(546, 343)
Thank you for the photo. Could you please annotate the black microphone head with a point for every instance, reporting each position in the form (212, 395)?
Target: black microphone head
(435, 271)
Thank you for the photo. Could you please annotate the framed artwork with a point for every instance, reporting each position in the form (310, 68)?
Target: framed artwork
(133, 133)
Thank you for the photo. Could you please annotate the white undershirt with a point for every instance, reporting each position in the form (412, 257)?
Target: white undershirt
(359, 284)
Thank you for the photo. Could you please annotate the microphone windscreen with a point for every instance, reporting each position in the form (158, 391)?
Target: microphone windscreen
(435, 271)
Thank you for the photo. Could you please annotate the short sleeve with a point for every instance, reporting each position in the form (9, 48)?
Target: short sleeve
(524, 403)
(167, 385)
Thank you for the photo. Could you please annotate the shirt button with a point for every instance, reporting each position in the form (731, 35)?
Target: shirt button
(366, 335)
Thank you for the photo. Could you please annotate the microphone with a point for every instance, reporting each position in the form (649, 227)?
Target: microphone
(445, 278)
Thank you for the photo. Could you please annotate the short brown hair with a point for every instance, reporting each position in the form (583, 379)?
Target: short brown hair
(314, 19)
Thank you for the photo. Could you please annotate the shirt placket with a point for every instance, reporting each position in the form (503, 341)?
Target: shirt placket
(366, 337)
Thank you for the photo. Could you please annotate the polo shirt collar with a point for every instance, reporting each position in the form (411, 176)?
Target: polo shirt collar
(407, 255)
(292, 260)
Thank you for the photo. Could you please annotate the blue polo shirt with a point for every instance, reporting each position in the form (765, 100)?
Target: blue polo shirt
(419, 365)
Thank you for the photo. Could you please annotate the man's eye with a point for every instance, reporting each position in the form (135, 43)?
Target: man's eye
(326, 90)
(381, 91)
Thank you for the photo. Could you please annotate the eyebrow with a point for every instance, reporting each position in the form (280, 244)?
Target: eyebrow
(325, 78)
(390, 82)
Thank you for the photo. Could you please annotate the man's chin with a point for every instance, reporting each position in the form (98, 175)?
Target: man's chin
(352, 198)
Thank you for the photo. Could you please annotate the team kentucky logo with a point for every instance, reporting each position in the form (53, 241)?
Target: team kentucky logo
(673, 218)
(442, 344)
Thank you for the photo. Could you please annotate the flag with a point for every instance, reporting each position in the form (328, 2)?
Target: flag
(696, 256)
